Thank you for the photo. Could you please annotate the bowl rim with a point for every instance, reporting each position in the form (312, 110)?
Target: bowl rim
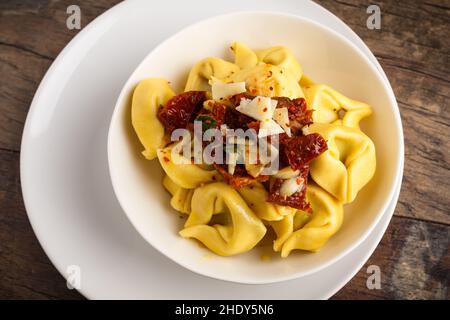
(273, 279)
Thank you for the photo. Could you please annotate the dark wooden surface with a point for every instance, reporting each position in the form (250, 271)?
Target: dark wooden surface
(413, 46)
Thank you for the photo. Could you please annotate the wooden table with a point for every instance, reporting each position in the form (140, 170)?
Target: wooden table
(413, 46)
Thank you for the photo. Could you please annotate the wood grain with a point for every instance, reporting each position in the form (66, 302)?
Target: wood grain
(413, 46)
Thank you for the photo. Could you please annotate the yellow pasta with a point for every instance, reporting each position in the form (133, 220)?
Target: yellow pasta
(327, 104)
(256, 195)
(244, 57)
(182, 172)
(301, 218)
(282, 57)
(205, 70)
(147, 97)
(283, 229)
(181, 197)
(347, 165)
(240, 235)
(268, 80)
(231, 221)
(326, 219)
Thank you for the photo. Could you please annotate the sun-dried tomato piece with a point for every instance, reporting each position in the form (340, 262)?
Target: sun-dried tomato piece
(236, 99)
(301, 150)
(299, 115)
(181, 109)
(218, 113)
(296, 200)
(240, 178)
(254, 125)
(236, 120)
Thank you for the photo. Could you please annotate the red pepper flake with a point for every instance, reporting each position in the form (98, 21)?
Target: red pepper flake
(265, 109)
(166, 159)
(271, 88)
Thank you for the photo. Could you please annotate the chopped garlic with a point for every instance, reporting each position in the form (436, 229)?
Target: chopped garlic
(281, 116)
(291, 186)
(305, 130)
(287, 173)
(208, 105)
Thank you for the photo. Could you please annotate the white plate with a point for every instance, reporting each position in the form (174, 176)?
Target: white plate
(65, 181)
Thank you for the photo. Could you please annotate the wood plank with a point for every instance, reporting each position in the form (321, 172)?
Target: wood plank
(23, 71)
(40, 26)
(32, 33)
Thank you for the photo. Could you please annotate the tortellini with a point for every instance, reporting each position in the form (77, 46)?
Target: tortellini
(283, 229)
(256, 195)
(241, 234)
(326, 219)
(147, 97)
(328, 104)
(244, 57)
(181, 197)
(205, 70)
(306, 231)
(268, 80)
(272, 72)
(347, 165)
(182, 172)
(282, 57)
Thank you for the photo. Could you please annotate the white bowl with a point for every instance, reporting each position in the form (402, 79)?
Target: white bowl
(326, 57)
